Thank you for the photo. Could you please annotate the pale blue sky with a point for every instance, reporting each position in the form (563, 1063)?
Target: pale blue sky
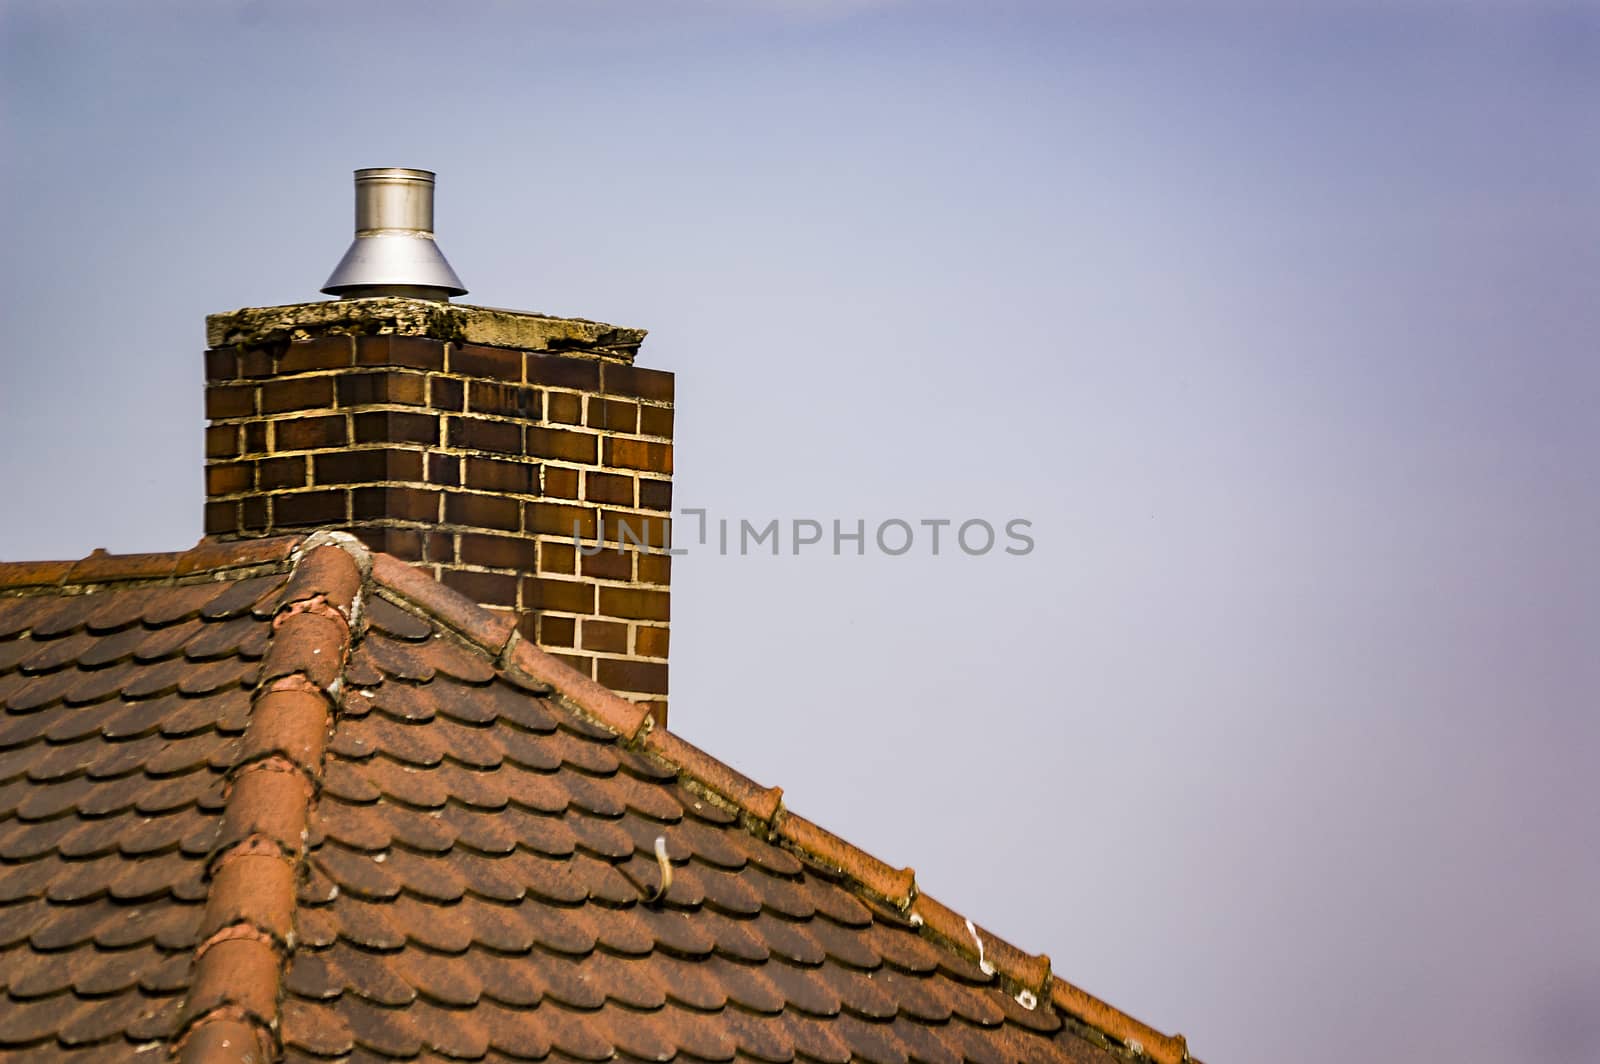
(1278, 321)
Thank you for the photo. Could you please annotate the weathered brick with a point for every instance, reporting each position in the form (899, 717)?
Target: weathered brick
(557, 557)
(503, 400)
(655, 421)
(563, 407)
(321, 352)
(654, 568)
(483, 511)
(627, 674)
(258, 361)
(639, 454)
(308, 508)
(309, 433)
(297, 393)
(222, 441)
(482, 587)
(496, 552)
(253, 513)
(494, 474)
(567, 596)
(618, 379)
(608, 487)
(382, 386)
(367, 467)
(560, 482)
(395, 503)
(556, 519)
(446, 393)
(634, 603)
(444, 469)
(221, 518)
(655, 494)
(615, 415)
(222, 364)
(395, 426)
(479, 434)
(557, 631)
(610, 637)
(413, 352)
(255, 436)
(475, 360)
(609, 564)
(230, 400)
(563, 371)
(562, 444)
(581, 662)
(649, 530)
(650, 641)
(274, 474)
(228, 478)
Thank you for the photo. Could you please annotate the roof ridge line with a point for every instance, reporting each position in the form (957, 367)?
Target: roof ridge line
(209, 555)
(230, 1012)
(762, 812)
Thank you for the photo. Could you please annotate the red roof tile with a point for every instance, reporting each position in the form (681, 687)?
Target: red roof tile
(255, 802)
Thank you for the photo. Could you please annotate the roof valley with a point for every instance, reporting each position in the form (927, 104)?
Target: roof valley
(231, 1011)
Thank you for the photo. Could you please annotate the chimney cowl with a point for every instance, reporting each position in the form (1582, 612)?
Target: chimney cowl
(394, 253)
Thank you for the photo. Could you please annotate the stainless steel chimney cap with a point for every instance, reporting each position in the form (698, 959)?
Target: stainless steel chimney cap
(394, 253)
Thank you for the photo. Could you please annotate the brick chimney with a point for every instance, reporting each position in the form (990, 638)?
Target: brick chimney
(521, 459)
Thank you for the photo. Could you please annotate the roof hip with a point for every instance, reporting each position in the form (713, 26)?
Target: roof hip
(247, 931)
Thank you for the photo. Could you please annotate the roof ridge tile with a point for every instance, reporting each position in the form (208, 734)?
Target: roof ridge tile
(230, 1013)
(99, 567)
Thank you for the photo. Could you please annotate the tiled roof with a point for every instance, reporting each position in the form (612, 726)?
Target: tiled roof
(256, 801)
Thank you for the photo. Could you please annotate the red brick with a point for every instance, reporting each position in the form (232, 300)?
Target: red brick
(655, 494)
(229, 478)
(395, 426)
(445, 393)
(616, 415)
(563, 371)
(404, 543)
(483, 511)
(563, 407)
(444, 469)
(654, 568)
(617, 379)
(475, 360)
(650, 642)
(498, 588)
(230, 400)
(298, 393)
(609, 564)
(273, 474)
(308, 508)
(258, 361)
(413, 352)
(560, 482)
(567, 596)
(581, 662)
(255, 437)
(608, 487)
(557, 557)
(222, 364)
(478, 434)
(309, 433)
(647, 530)
(605, 636)
(639, 454)
(503, 400)
(367, 467)
(625, 674)
(559, 443)
(395, 504)
(253, 513)
(493, 474)
(655, 421)
(382, 386)
(222, 441)
(557, 631)
(222, 518)
(555, 519)
(322, 352)
(635, 603)
(496, 552)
